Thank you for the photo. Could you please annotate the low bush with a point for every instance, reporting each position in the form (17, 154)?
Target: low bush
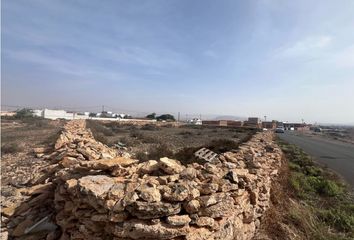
(328, 200)
(222, 145)
(185, 133)
(11, 148)
(101, 138)
(155, 152)
(99, 128)
(149, 139)
(341, 218)
(136, 134)
(150, 127)
(159, 151)
(51, 139)
(329, 188)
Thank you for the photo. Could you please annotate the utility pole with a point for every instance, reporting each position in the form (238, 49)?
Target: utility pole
(102, 108)
(178, 116)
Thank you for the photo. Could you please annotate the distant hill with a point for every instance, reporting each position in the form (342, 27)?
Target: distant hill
(229, 117)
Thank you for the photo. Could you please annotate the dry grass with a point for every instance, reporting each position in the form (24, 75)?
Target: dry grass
(307, 202)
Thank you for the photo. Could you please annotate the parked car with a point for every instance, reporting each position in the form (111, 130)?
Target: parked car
(318, 129)
(279, 130)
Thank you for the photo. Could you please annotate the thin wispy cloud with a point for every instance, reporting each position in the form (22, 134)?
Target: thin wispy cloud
(223, 57)
(210, 53)
(310, 46)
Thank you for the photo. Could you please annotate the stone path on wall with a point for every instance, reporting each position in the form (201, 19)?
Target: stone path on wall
(93, 192)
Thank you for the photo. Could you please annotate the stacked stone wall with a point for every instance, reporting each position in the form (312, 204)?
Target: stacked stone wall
(99, 194)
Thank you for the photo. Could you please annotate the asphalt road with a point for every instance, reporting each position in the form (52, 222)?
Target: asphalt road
(336, 155)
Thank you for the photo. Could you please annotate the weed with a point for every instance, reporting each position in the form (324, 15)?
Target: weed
(185, 133)
(51, 139)
(222, 145)
(11, 148)
(101, 138)
(99, 128)
(155, 152)
(327, 201)
(150, 127)
(159, 151)
(136, 134)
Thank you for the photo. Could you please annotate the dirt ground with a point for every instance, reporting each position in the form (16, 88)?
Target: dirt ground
(344, 134)
(152, 142)
(18, 162)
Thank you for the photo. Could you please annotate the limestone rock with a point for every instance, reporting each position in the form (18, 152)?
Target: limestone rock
(189, 173)
(208, 188)
(149, 167)
(143, 230)
(192, 206)
(177, 193)
(170, 166)
(220, 209)
(205, 222)
(150, 194)
(97, 186)
(178, 220)
(108, 163)
(145, 210)
(232, 176)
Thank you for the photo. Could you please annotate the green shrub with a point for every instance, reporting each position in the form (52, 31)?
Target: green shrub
(330, 188)
(295, 182)
(294, 167)
(323, 197)
(24, 113)
(313, 171)
(340, 219)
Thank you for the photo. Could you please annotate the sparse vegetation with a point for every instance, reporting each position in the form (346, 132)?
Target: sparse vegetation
(155, 152)
(24, 113)
(326, 206)
(150, 127)
(96, 127)
(153, 141)
(10, 148)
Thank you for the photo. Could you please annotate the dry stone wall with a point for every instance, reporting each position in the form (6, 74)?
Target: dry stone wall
(101, 194)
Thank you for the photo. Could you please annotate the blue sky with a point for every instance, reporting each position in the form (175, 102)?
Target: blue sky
(289, 60)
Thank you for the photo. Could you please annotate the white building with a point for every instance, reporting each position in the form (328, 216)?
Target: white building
(57, 114)
(37, 113)
(196, 121)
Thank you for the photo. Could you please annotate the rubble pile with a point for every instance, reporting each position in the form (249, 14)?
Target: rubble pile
(99, 194)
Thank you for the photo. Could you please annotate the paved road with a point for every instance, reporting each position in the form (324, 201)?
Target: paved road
(334, 154)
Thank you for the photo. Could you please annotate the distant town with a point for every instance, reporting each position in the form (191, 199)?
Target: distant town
(251, 122)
